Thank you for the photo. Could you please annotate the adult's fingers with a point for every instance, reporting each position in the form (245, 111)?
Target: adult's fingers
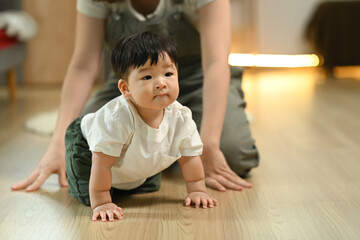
(38, 182)
(233, 177)
(214, 184)
(228, 183)
(62, 179)
(26, 182)
(242, 182)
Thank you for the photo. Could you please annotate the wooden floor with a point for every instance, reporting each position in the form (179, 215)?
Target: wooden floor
(307, 186)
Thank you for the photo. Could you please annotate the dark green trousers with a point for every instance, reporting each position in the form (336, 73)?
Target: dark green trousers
(78, 167)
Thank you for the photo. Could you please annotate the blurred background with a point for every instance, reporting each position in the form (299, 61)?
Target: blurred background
(280, 27)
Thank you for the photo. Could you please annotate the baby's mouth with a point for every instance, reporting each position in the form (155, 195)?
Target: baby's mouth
(161, 95)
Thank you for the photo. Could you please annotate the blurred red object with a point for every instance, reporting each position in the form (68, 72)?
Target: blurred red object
(6, 41)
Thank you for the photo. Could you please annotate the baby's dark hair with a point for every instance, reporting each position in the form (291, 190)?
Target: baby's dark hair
(134, 50)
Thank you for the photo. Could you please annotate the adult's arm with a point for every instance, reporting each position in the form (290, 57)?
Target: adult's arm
(214, 28)
(80, 76)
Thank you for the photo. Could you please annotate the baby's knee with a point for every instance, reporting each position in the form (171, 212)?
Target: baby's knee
(79, 192)
(83, 199)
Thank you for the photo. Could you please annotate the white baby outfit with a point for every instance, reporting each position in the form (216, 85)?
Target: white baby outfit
(142, 151)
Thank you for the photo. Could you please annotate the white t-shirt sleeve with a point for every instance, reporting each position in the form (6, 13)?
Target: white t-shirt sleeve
(191, 144)
(106, 133)
(92, 8)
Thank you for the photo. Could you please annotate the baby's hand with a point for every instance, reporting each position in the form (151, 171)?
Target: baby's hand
(107, 210)
(200, 198)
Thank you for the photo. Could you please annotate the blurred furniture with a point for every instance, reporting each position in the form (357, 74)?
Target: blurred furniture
(334, 33)
(12, 53)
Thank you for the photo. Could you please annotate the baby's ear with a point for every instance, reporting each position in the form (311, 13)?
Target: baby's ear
(124, 88)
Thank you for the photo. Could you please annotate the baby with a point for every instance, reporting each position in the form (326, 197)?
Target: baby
(131, 139)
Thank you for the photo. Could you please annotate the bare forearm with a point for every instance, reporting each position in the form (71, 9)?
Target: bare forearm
(216, 87)
(193, 173)
(81, 73)
(215, 35)
(75, 92)
(98, 198)
(196, 186)
(100, 179)
(99, 187)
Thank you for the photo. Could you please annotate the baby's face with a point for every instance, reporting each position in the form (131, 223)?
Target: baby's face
(154, 87)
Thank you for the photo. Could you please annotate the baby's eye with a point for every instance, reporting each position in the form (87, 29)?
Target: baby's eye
(169, 74)
(148, 77)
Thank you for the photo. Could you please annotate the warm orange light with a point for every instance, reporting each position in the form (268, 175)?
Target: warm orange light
(273, 60)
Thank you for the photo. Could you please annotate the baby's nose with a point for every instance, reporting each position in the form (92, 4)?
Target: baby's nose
(160, 84)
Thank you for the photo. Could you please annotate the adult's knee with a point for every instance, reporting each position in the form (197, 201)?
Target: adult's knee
(241, 154)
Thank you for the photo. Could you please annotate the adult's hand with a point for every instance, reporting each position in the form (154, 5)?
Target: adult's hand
(218, 174)
(53, 161)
